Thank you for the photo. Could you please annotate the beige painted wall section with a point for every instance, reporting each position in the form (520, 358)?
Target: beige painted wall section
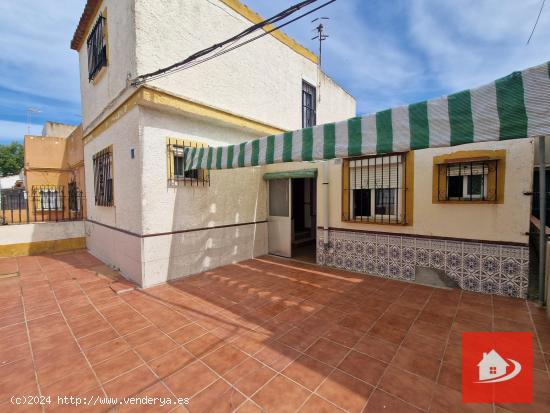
(61, 130)
(45, 152)
(261, 81)
(96, 95)
(507, 222)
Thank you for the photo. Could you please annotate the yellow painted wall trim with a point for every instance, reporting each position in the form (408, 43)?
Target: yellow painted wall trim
(254, 17)
(41, 247)
(163, 98)
(126, 106)
(470, 156)
(149, 96)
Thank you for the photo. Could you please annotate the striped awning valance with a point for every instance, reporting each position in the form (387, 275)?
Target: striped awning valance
(516, 106)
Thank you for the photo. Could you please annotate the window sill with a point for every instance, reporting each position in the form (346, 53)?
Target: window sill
(398, 224)
(472, 202)
(99, 75)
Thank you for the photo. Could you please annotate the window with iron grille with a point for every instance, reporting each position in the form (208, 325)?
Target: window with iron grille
(103, 177)
(309, 105)
(374, 189)
(468, 181)
(48, 198)
(75, 197)
(11, 199)
(97, 48)
(176, 164)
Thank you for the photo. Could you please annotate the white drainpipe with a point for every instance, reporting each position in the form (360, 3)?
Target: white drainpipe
(325, 202)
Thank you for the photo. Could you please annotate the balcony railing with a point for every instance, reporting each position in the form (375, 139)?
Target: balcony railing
(41, 204)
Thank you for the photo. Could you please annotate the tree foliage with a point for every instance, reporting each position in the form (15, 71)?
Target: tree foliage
(11, 159)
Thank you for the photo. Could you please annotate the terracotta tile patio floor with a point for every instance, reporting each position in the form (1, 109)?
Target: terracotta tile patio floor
(262, 335)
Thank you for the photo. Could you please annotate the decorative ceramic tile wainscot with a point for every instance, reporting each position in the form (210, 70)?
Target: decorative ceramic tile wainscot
(475, 266)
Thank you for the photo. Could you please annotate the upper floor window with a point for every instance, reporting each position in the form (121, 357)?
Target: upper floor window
(103, 177)
(97, 48)
(374, 189)
(309, 105)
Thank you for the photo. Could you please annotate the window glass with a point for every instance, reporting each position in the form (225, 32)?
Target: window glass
(278, 198)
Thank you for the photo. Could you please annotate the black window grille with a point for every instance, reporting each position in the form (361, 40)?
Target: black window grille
(309, 105)
(374, 189)
(74, 199)
(48, 198)
(13, 199)
(468, 181)
(97, 48)
(176, 164)
(103, 177)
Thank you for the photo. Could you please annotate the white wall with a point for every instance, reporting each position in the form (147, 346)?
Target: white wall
(233, 197)
(261, 81)
(42, 231)
(121, 59)
(126, 212)
(116, 248)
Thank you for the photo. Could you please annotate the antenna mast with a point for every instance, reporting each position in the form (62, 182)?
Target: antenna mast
(30, 111)
(321, 36)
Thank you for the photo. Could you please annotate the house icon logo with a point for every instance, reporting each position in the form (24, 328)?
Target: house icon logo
(494, 369)
(497, 367)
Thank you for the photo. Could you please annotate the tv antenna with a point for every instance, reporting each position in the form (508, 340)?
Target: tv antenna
(321, 36)
(30, 111)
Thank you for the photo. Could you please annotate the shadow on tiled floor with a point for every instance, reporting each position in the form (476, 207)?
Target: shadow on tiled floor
(262, 335)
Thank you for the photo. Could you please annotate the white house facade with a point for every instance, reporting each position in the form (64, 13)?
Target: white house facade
(461, 212)
(156, 226)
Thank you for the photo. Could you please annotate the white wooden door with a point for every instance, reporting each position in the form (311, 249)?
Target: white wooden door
(279, 218)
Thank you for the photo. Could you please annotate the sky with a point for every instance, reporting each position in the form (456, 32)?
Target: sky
(384, 52)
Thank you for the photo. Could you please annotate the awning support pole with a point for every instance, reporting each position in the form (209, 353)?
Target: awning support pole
(542, 218)
(325, 202)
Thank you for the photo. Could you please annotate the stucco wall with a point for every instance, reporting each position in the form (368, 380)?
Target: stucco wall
(506, 222)
(121, 59)
(116, 248)
(43, 231)
(233, 197)
(173, 256)
(262, 80)
(126, 212)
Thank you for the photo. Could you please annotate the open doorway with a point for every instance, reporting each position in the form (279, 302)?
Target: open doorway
(304, 218)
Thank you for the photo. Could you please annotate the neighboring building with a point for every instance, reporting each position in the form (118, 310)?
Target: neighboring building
(461, 211)
(53, 176)
(11, 181)
(149, 218)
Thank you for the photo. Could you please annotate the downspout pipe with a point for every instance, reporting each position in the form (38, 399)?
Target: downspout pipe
(325, 202)
(542, 218)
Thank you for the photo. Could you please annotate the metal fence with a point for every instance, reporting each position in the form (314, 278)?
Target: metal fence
(42, 204)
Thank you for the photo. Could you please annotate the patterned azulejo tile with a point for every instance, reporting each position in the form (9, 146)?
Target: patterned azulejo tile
(475, 266)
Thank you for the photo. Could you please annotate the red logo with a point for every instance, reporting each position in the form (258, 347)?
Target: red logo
(497, 367)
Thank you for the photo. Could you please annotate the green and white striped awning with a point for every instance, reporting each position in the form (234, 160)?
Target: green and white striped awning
(516, 106)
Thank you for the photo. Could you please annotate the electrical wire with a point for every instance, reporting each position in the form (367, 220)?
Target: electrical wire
(228, 48)
(536, 22)
(278, 17)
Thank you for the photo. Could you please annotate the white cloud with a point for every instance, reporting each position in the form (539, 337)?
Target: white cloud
(391, 53)
(14, 131)
(34, 47)
(468, 43)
